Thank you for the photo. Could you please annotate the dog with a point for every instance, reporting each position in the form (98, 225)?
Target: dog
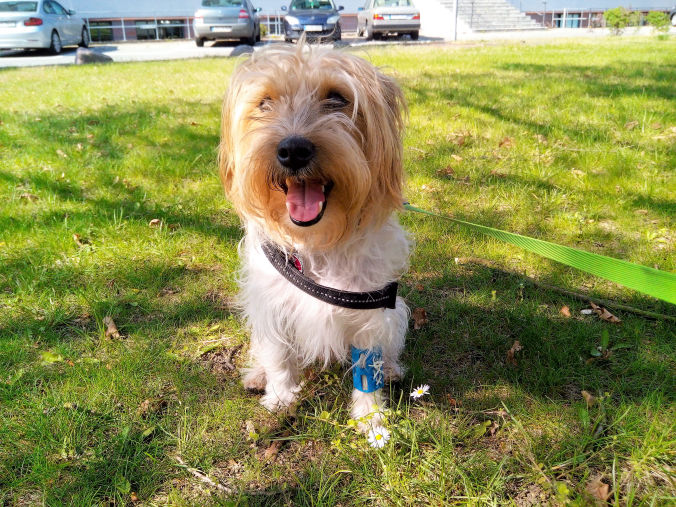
(311, 158)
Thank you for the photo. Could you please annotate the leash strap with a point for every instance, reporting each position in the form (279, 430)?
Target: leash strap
(367, 369)
(382, 298)
(653, 282)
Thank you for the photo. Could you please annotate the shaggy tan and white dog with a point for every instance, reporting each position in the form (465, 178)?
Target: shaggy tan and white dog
(311, 157)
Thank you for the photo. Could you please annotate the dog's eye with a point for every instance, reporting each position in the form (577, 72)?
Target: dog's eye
(335, 100)
(265, 104)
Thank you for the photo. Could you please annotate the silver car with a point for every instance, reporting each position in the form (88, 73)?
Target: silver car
(40, 24)
(227, 19)
(387, 17)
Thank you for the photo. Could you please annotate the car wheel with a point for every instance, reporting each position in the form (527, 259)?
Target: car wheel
(337, 34)
(673, 20)
(84, 43)
(287, 40)
(258, 34)
(199, 41)
(249, 40)
(55, 47)
(414, 35)
(369, 33)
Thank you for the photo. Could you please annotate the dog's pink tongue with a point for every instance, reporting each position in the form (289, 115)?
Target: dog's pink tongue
(304, 200)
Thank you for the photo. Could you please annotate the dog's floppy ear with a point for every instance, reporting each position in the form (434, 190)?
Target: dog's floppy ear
(226, 164)
(385, 142)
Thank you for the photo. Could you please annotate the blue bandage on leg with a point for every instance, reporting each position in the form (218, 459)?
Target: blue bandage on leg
(367, 369)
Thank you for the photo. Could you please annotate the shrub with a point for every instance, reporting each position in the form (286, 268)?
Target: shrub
(617, 19)
(658, 20)
(264, 30)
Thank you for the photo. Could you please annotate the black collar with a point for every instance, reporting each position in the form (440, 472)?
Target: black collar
(382, 298)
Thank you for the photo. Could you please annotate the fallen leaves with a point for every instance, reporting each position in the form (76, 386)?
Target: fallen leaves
(631, 125)
(565, 311)
(604, 314)
(155, 222)
(28, 197)
(61, 154)
(589, 398)
(516, 347)
(598, 489)
(111, 328)
(419, 318)
(506, 142)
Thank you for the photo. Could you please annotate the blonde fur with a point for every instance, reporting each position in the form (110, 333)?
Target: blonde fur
(357, 245)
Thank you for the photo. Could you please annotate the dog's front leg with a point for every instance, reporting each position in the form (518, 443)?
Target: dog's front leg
(273, 365)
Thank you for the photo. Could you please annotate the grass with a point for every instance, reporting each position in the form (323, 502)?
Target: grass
(569, 142)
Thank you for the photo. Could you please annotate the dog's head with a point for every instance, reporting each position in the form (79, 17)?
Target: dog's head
(311, 145)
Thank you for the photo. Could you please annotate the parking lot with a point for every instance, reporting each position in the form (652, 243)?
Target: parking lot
(160, 50)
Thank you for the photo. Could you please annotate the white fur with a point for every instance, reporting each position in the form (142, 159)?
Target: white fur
(291, 329)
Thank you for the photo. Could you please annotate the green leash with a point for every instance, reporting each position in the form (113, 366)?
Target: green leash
(653, 282)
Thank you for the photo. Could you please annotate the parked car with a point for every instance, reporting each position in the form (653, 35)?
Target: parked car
(672, 16)
(227, 19)
(319, 19)
(387, 17)
(40, 24)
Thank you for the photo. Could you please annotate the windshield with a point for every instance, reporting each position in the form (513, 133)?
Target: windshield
(393, 3)
(221, 3)
(18, 6)
(307, 5)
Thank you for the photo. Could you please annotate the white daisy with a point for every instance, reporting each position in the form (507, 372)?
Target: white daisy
(378, 437)
(420, 391)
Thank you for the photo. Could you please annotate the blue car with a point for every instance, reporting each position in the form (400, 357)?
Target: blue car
(319, 19)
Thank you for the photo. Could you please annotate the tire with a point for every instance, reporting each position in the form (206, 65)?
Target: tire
(84, 43)
(414, 35)
(199, 41)
(673, 20)
(369, 33)
(249, 40)
(258, 34)
(337, 34)
(55, 47)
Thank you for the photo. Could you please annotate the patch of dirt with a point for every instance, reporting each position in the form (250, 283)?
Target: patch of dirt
(219, 300)
(531, 494)
(221, 362)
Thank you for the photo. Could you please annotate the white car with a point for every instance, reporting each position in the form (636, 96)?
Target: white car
(387, 17)
(40, 24)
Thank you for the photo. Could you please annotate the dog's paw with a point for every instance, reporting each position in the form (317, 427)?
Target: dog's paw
(254, 379)
(280, 400)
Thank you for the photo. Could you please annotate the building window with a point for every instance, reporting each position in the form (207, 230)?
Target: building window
(101, 31)
(573, 20)
(145, 29)
(170, 28)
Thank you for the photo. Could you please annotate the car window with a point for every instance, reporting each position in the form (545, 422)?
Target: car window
(303, 5)
(18, 6)
(221, 3)
(59, 8)
(48, 8)
(392, 3)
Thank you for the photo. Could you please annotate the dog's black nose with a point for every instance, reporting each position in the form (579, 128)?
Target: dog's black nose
(295, 152)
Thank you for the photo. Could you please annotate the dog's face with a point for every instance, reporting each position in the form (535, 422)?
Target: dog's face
(311, 145)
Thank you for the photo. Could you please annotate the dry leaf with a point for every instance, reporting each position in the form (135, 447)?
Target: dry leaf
(598, 489)
(516, 347)
(420, 287)
(605, 314)
(656, 126)
(152, 406)
(194, 124)
(61, 154)
(111, 328)
(454, 403)
(446, 171)
(419, 318)
(630, 125)
(541, 139)
(641, 211)
(577, 172)
(155, 222)
(455, 157)
(272, 451)
(589, 398)
(78, 240)
(565, 311)
(133, 497)
(28, 197)
(507, 142)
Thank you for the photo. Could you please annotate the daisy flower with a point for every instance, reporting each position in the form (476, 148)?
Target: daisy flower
(378, 437)
(420, 391)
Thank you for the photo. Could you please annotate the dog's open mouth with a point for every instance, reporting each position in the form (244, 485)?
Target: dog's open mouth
(306, 200)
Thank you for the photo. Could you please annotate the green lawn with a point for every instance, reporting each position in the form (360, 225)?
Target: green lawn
(570, 142)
